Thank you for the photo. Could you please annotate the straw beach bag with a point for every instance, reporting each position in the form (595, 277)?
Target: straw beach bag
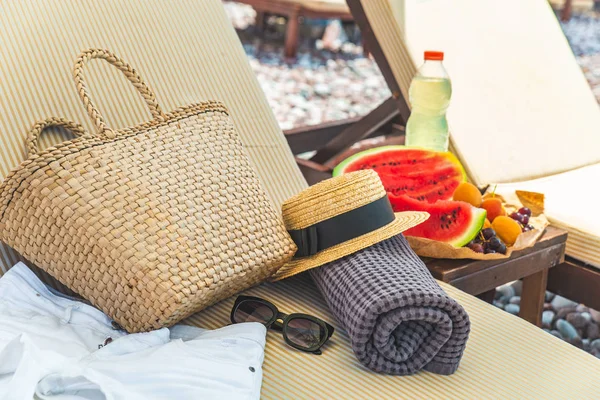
(150, 223)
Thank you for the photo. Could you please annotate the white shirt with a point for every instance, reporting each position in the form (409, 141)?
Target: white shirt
(53, 347)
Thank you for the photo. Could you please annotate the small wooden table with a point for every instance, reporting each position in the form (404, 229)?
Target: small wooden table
(293, 10)
(480, 278)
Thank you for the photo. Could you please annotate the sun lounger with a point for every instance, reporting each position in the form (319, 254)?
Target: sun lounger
(522, 113)
(296, 9)
(189, 51)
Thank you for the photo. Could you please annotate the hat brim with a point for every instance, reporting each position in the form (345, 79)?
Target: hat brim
(402, 222)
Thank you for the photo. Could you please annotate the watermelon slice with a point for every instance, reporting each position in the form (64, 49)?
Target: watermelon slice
(422, 180)
(418, 173)
(454, 222)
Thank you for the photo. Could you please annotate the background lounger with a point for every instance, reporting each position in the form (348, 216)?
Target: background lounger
(521, 110)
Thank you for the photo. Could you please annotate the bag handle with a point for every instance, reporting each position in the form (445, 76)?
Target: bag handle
(130, 73)
(40, 126)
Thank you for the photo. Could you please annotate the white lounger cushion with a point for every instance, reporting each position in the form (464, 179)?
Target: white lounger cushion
(521, 107)
(572, 201)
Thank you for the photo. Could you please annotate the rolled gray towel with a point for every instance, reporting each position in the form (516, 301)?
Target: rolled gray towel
(399, 319)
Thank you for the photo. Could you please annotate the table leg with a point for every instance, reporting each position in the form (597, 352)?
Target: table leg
(366, 51)
(259, 23)
(566, 11)
(291, 34)
(532, 297)
(488, 296)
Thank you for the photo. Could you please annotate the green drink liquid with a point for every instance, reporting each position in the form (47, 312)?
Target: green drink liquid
(429, 97)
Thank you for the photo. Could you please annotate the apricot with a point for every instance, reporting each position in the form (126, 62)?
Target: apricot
(494, 208)
(507, 229)
(486, 224)
(468, 193)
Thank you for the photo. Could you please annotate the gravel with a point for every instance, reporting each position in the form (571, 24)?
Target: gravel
(591, 69)
(322, 86)
(563, 318)
(314, 90)
(583, 33)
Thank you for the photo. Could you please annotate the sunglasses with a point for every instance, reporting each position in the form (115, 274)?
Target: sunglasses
(301, 331)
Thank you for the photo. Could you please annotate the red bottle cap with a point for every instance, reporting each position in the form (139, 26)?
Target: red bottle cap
(434, 55)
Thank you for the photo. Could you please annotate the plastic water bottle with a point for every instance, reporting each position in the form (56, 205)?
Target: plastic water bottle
(429, 95)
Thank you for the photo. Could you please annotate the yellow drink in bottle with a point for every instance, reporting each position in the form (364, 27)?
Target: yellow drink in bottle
(429, 95)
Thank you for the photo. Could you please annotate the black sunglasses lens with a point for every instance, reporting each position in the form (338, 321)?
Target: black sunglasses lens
(252, 311)
(305, 333)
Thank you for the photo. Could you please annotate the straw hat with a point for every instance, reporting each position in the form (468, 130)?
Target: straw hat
(338, 217)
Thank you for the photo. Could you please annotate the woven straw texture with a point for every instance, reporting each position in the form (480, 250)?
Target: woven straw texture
(187, 50)
(175, 46)
(150, 223)
(398, 318)
(333, 197)
(39, 127)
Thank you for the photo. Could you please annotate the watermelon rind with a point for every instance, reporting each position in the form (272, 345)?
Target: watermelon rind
(341, 167)
(471, 225)
(479, 215)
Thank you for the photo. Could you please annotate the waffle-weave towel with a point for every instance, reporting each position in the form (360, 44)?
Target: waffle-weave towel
(399, 319)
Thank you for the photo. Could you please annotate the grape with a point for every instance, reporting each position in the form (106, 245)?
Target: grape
(528, 228)
(490, 251)
(525, 211)
(488, 233)
(501, 248)
(525, 220)
(517, 217)
(494, 243)
(477, 247)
